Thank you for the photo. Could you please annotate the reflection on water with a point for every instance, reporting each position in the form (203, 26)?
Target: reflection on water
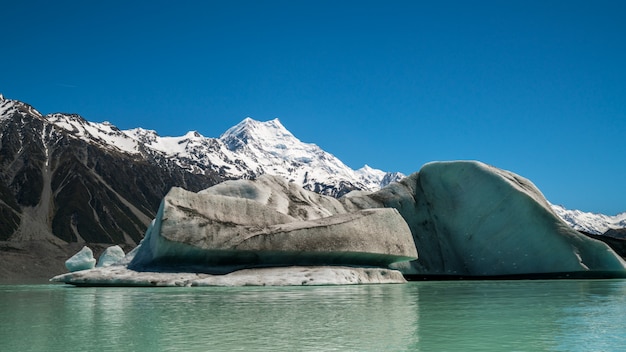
(522, 315)
(421, 316)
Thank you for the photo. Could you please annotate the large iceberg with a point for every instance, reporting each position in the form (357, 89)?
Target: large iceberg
(269, 226)
(470, 219)
(466, 219)
(216, 234)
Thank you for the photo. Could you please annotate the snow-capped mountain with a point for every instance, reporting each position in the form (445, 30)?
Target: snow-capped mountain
(246, 150)
(593, 223)
(269, 148)
(62, 176)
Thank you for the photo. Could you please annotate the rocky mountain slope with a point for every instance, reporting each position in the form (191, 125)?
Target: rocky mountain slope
(61, 182)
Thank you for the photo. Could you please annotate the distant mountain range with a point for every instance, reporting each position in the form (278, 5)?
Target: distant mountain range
(590, 222)
(65, 178)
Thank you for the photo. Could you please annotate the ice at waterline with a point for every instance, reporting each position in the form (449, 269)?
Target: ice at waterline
(465, 218)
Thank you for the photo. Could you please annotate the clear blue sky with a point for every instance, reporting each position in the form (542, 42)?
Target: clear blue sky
(535, 87)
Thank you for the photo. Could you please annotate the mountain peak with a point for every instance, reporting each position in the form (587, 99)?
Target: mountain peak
(9, 106)
(5, 106)
(252, 130)
(250, 124)
(366, 168)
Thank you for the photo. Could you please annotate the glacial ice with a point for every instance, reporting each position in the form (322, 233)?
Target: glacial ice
(215, 233)
(472, 219)
(83, 260)
(277, 234)
(119, 275)
(110, 256)
(466, 219)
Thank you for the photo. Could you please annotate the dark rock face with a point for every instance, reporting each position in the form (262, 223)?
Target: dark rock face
(615, 238)
(616, 233)
(56, 186)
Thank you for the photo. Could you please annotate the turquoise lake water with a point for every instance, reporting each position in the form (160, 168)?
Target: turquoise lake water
(576, 315)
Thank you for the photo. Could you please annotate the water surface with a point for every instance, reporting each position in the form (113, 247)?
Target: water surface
(568, 315)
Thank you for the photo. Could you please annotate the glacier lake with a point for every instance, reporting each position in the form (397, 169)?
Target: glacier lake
(541, 315)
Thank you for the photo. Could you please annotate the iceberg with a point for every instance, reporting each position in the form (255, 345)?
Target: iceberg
(467, 220)
(470, 219)
(260, 233)
(110, 256)
(83, 260)
(218, 234)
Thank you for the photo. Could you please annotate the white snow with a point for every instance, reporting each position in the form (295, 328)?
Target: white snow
(271, 148)
(590, 222)
(104, 134)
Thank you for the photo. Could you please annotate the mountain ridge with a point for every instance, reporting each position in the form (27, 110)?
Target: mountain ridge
(589, 222)
(246, 150)
(56, 186)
